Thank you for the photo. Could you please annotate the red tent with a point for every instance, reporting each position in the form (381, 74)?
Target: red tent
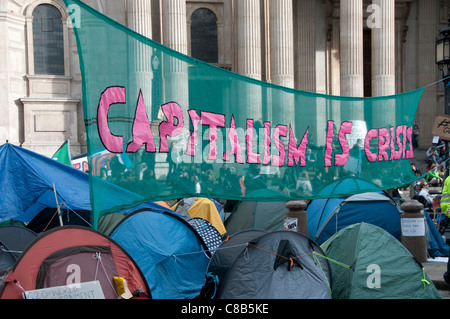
(74, 254)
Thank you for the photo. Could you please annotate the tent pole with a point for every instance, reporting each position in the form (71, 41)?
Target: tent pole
(57, 206)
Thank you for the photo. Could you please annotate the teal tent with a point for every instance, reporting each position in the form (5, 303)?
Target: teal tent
(369, 263)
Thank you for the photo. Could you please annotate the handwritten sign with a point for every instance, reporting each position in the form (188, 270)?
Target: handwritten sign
(85, 290)
(414, 227)
(441, 126)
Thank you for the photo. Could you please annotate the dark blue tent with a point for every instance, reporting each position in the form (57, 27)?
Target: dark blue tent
(28, 182)
(168, 250)
(329, 215)
(13, 241)
(436, 245)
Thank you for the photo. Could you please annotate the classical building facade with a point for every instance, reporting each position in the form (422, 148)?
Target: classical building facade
(346, 47)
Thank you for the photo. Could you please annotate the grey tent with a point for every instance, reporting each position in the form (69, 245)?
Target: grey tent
(13, 240)
(276, 265)
(227, 253)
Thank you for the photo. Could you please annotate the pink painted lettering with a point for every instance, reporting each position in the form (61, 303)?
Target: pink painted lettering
(252, 157)
(193, 138)
(142, 132)
(341, 159)
(295, 153)
(404, 141)
(236, 149)
(266, 157)
(410, 150)
(111, 95)
(398, 133)
(373, 133)
(278, 160)
(168, 128)
(329, 143)
(213, 120)
(383, 144)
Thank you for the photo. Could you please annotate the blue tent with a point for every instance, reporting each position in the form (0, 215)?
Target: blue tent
(436, 245)
(170, 253)
(329, 215)
(28, 182)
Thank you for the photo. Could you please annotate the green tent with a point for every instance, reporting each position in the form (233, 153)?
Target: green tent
(369, 263)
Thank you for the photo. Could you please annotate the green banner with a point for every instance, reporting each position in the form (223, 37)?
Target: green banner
(163, 125)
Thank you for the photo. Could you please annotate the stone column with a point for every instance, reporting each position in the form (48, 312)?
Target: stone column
(174, 25)
(175, 71)
(352, 75)
(249, 58)
(383, 62)
(249, 38)
(175, 37)
(139, 17)
(282, 58)
(351, 47)
(383, 50)
(282, 42)
(427, 71)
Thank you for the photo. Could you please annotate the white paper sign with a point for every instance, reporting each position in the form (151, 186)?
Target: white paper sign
(85, 290)
(291, 224)
(413, 227)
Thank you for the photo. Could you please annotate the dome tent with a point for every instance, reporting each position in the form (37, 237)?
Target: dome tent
(47, 260)
(374, 265)
(326, 216)
(226, 254)
(276, 265)
(13, 240)
(170, 252)
(32, 182)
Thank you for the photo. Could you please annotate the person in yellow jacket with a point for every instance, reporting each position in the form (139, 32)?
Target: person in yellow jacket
(445, 205)
(445, 198)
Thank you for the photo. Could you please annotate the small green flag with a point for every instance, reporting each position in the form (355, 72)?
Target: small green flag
(63, 154)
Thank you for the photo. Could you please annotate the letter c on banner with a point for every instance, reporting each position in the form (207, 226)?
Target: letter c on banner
(371, 157)
(112, 95)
